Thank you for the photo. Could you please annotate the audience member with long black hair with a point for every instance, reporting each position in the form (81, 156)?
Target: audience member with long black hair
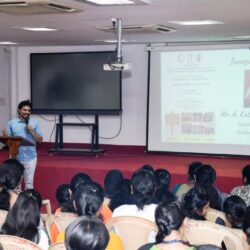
(23, 219)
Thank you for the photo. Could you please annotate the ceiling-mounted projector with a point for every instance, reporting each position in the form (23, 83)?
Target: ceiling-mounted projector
(117, 66)
(117, 63)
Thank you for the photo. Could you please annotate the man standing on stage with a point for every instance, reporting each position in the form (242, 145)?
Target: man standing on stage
(28, 128)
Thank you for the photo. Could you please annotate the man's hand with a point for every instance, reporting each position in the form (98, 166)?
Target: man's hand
(37, 137)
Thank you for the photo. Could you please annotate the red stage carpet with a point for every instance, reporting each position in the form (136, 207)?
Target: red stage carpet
(58, 169)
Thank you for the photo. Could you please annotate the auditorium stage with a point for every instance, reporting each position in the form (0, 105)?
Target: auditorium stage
(53, 170)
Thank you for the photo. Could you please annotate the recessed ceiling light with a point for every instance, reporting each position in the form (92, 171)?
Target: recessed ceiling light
(37, 28)
(115, 2)
(196, 22)
(7, 43)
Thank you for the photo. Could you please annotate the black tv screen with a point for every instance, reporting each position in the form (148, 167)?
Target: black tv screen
(74, 83)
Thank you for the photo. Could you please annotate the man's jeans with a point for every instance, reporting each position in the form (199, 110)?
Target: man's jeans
(29, 172)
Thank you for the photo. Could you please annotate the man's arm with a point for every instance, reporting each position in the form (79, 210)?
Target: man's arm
(36, 136)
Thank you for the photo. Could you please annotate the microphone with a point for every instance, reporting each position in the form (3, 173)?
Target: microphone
(27, 122)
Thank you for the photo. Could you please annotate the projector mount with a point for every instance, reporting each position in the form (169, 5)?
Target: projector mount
(117, 63)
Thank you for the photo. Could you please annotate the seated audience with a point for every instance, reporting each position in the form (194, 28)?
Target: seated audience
(122, 195)
(86, 233)
(214, 198)
(235, 209)
(111, 181)
(244, 191)
(24, 218)
(87, 200)
(143, 184)
(148, 168)
(11, 174)
(62, 194)
(181, 189)
(169, 219)
(205, 176)
(77, 179)
(196, 203)
(162, 192)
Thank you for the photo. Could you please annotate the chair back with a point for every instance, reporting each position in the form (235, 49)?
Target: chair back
(57, 246)
(62, 220)
(10, 242)
(46, 204)
(133, 231)
(213, 214)
(206, 232)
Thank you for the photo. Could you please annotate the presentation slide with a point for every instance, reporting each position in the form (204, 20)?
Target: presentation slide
(199, 101)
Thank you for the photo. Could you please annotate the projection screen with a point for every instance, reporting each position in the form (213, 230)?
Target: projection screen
(199, 100)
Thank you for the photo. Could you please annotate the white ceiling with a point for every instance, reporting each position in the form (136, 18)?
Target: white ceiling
(80, 28)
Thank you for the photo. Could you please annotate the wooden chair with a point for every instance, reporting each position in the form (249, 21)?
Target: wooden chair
(133, 231)
(213, 214)
(206, 232)
(57, 246)
(10, 242)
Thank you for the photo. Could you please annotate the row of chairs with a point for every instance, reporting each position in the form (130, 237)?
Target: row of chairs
(127, 227)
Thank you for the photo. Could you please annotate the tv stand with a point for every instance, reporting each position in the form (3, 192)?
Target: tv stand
(59, 144)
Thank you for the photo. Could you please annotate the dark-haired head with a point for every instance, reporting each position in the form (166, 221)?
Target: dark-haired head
(192, 168)
(11, 172)
(235, 209)
(205, 174)
(196, 203)
(246, 225)
(35, 195)
(23, 218)
(143, 188)
(168, 217)
(86, 233)
(62, 194)
(4, 199)
(122, 195)
(246, 175)
(77, 180)
(163, 178)
(111, 182)
(88, 198)
(24, 103)
(147, 167)
(214, 197)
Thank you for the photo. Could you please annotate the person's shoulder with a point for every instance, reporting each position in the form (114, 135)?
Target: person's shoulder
(236, 190)
(13, 120)
(124, 209)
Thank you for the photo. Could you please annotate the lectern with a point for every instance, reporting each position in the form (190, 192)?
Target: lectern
(14, 142)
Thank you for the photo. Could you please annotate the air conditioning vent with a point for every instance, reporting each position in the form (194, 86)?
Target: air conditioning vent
(15, 3)
(149, 28)
(35, 7)
(60, 7)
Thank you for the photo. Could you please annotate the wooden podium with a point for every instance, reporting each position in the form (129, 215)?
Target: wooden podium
(14, 142)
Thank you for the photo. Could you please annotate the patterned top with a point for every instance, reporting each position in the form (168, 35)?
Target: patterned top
(243, 192)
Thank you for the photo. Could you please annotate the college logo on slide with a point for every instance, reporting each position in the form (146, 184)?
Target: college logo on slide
(189, 58)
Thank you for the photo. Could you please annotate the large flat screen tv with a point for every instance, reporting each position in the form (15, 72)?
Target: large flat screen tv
(74, 83)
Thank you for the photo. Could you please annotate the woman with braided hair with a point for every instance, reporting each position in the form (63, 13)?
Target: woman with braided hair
(170, 220)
